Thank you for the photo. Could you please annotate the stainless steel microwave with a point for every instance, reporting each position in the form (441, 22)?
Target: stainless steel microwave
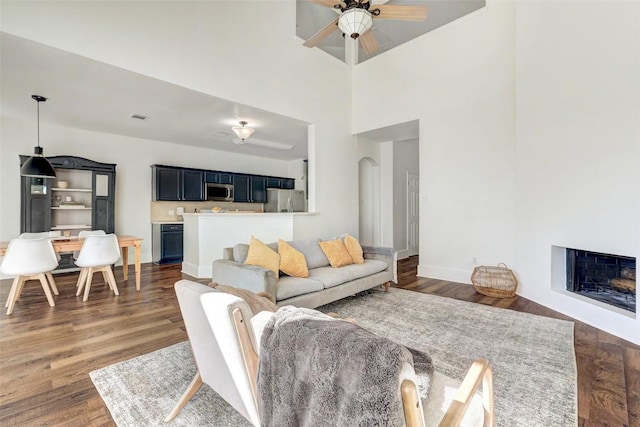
(220, 192)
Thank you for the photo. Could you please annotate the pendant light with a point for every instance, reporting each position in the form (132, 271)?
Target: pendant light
(37, 166)
(243, 131)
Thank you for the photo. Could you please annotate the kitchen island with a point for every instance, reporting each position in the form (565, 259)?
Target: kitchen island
(207, 234)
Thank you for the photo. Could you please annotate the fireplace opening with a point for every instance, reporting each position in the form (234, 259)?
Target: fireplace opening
(603, 277)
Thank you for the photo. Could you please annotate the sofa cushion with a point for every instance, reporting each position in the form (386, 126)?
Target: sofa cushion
(292, 261)
(369, 267)
(354, 248)
(289, 286)
(263, 256)
(330, 276)
(312, 252)
(336, 252)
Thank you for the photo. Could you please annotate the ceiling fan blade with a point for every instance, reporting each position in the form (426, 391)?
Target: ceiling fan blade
(401, 13)
(263, 143)
(324, 32)
(369, 42)
(327, 3)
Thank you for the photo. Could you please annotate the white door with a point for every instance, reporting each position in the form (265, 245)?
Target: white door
(413, 213)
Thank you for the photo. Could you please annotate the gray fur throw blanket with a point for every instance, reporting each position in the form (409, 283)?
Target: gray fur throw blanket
(319, 371)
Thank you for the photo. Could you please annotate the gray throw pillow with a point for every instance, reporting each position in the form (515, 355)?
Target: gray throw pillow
(312, 252)
(240, 252)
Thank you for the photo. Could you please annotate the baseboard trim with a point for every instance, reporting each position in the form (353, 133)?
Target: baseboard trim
(443, 273)
(199, 272)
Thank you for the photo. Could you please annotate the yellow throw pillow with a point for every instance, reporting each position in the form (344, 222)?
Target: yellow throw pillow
(263, 256)
(336, 252)
(292, 261)
(354, 249)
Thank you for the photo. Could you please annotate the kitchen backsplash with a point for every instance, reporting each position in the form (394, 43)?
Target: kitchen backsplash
(160, 211)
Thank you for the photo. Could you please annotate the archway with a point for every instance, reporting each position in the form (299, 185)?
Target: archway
(369, 201)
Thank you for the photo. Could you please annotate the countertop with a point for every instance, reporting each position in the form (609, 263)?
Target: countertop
(234, 213)
(250, 213)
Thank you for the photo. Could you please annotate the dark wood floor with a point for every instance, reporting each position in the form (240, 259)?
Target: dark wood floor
(47, 352)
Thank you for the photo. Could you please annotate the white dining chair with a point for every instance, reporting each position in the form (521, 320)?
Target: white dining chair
(28, 259)
(84, 233)
(46, 235)
(98, 252)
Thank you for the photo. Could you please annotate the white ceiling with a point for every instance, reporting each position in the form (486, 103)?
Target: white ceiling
(87, 94)
(311, 17)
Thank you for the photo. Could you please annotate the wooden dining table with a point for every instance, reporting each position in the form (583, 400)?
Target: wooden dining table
(70, 244)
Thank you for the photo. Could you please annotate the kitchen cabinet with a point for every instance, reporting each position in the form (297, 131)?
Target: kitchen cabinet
(177, 184)
(167, 243)
(249, 189)
(274, 182)
(218, 178)
(285, 183)
(288, 184)
(87, 201)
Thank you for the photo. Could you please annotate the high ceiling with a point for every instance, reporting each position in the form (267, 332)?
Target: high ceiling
(311, 17)
(87, 94)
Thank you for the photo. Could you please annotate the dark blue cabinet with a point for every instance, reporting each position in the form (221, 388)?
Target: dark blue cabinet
(167, 243)
(249, 189)
(176, 184)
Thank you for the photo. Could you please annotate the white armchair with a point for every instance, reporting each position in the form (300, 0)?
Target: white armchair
(225, 339)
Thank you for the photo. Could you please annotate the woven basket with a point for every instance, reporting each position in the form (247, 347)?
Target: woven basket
(499, 282)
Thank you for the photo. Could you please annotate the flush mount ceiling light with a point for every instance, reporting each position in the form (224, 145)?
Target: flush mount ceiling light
(354, 22)
(243, 131)
(38, 166)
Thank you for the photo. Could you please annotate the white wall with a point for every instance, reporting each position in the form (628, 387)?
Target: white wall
(133, 157)
(242, 51)
(405, 159)
(460, 85)
(577, 144)
(507, 170)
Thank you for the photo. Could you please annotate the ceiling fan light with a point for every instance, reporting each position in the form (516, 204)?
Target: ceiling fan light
(355, 22)
(243, 131)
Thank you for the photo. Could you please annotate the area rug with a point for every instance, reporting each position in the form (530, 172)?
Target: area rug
(532, 358)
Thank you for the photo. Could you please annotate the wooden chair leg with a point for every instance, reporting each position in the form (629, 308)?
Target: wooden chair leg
(487, 398)
(45, 288)
(14, 286)
(82, 280)
(14, 293)
(411, 404)
(88, 284)
(52, 283)
(105, 277)
(112, 280)
(386, 287)
(195, 385)
(20, 287)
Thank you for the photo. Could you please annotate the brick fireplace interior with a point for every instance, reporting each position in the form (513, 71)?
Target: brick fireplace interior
(604, 277)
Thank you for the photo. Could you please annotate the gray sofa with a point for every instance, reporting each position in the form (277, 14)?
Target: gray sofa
(325, 283)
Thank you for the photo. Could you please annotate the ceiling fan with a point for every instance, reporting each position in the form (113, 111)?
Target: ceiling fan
(244, 132)
(356, 18)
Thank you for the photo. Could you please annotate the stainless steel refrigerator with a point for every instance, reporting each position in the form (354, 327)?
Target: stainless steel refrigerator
(284, 200)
